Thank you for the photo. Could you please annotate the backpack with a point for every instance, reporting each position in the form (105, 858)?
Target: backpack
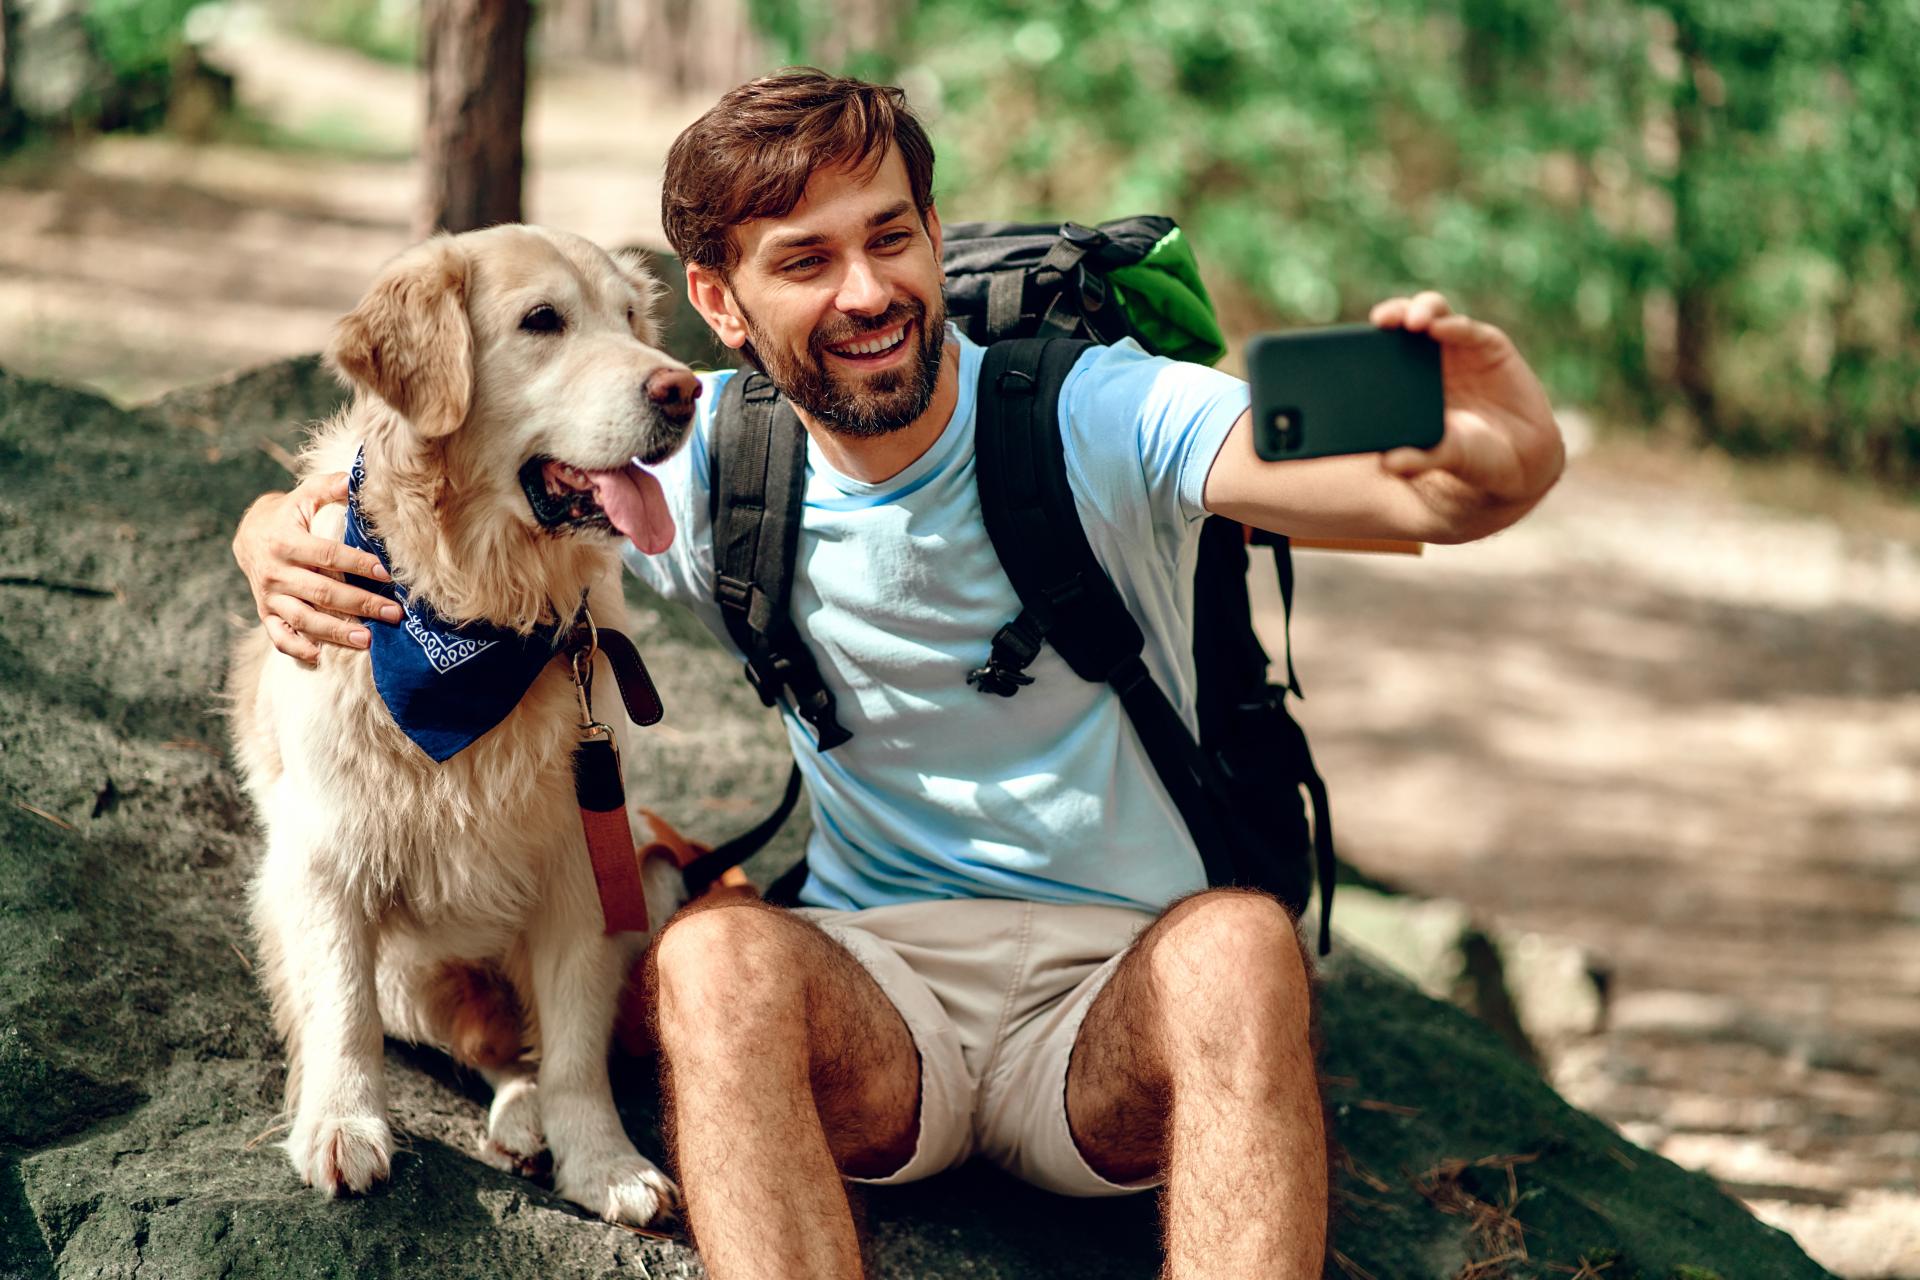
(1037, 297)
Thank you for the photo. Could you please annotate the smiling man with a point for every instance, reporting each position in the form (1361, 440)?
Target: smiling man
(1007, 947)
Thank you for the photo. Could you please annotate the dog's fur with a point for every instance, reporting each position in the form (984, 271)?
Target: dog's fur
(454, 904)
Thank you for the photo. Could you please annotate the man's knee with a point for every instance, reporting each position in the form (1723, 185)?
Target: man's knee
(732, 967)
(1233, 957)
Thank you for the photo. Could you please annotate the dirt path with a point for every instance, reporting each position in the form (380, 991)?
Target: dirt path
(1683, 732)
(1676, 728)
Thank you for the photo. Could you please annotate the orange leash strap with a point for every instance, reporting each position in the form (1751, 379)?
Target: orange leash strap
(603, 799)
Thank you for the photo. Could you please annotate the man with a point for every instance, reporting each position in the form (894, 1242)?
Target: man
(1007, 948)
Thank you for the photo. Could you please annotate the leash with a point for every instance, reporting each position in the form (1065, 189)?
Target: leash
(596, 769)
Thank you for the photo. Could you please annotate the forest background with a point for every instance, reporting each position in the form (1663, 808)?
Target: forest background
(1699, 216)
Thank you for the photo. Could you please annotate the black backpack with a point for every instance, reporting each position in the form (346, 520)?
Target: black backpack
(1038, 296)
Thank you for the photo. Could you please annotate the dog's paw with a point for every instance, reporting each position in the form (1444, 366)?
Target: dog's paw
(513, 1140)
(628, 1189)
(341, 1153)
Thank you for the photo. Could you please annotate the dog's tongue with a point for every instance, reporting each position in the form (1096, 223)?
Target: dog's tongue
(634, 501)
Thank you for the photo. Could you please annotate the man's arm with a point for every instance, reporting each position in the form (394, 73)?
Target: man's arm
(1500, 453)
(294, 574)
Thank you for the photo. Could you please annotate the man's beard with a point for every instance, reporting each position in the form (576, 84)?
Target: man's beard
(875, 404)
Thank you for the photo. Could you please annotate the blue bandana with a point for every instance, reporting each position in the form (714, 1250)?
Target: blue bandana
(445, 685)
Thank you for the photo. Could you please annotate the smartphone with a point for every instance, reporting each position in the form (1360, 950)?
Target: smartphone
(1352, 388)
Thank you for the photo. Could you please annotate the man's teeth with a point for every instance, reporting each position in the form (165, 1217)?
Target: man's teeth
(874, 346)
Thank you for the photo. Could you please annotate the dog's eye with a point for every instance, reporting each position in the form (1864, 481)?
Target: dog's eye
(542, 319)
(629, 317)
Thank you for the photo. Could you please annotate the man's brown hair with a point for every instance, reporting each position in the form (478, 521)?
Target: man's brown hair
(751, 154)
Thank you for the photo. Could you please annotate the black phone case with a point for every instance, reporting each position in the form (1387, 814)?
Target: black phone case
(1347, 389)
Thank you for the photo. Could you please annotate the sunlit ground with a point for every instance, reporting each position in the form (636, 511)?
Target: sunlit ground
(1684, 732)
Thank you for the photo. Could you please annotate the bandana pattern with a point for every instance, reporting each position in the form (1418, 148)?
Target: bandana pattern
(445, 684)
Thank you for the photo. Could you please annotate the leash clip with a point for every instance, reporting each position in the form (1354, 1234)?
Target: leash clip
(580, 662)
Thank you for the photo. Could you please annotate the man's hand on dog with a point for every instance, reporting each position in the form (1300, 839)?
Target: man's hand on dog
(1502, 448)
(295, 575)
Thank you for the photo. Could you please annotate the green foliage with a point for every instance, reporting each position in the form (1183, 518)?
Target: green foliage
(1692, 212)
(138, 40)
(119, 74)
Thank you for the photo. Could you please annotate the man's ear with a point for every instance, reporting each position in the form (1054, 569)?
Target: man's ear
(637, 267)
(409, 341)
(713, 299)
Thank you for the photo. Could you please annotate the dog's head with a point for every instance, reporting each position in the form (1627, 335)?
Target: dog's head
(521, 362)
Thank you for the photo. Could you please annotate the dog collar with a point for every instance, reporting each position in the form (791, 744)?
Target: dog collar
(445, 684)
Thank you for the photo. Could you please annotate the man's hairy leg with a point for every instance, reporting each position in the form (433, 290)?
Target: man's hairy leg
(1197, 1059)
(784, 1065)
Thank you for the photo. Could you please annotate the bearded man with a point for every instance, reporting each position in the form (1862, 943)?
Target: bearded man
(1006, 946)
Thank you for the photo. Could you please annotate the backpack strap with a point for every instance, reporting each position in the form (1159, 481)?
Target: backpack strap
(1282, 547)
(759, 461)
(1028, 509)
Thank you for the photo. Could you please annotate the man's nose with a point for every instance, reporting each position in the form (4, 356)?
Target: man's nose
(860, 289)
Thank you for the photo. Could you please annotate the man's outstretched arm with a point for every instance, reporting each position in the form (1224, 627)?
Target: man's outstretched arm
(1500, 453)
(295, 575)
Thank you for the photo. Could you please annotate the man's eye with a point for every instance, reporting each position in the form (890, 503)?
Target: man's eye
(802, 264)
(543, 319)
(894, 239)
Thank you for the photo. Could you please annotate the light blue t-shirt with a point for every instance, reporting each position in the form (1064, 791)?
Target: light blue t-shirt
(943, 791)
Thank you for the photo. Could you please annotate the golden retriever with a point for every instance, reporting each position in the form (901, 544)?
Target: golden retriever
(504, 380)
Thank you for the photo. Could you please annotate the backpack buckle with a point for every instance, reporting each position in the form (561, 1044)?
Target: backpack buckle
(1015, 646)
(1087, 238)
(994, 678)
(816, 708)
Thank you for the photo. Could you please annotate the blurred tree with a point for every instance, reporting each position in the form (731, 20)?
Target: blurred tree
(475, 54)
(861, 28)
(856, 37)
(698, 47)
(12, 123)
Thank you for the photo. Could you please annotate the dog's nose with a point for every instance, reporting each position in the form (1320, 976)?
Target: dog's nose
(673, 392)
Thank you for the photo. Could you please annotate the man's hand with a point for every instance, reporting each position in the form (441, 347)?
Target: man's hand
(1498, 455)
(295, 575)
(1501, 450)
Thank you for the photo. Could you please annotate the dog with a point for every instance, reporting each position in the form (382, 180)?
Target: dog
(504, 380)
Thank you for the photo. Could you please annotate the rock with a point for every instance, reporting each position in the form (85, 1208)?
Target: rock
(1558, 989)
(140, 1082)
(1537, 993)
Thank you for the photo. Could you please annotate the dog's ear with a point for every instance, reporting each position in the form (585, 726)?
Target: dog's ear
(409, 341)
(638, 269)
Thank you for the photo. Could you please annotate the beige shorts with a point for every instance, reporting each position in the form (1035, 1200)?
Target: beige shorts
(993, 992)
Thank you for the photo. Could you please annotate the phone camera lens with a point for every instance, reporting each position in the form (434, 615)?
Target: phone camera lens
(1286, 429)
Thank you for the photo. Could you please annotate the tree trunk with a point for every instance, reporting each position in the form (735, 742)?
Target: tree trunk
(475, 53)
(1693, 285)
(11, 125)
